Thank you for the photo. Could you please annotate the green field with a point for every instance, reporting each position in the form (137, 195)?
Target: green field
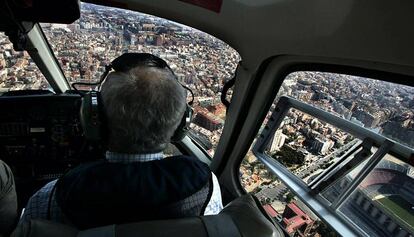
(399, 207)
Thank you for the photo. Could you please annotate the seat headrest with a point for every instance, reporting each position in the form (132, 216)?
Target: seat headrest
(241, 217)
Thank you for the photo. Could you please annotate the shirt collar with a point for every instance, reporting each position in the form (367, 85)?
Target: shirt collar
(128, 158)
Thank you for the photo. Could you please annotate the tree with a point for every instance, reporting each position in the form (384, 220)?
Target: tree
(289, 156)
(324, 230)
(289, 197)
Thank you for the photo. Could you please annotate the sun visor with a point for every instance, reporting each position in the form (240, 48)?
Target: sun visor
(48, 11)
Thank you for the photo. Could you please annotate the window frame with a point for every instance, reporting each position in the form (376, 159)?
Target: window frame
(189, 146)
(312, 195)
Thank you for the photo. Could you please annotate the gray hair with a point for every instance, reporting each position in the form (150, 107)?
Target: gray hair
(143, 108)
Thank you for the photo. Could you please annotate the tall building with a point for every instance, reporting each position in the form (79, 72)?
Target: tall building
(159, 40)
(321, 145)
(148, 27)
(349, 104)
(205, 101)
(207, 120)
(277, 141)
(133, 39)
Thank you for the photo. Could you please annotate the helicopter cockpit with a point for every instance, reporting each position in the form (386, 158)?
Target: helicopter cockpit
(303, 110)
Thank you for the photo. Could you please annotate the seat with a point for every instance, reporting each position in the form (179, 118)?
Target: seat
(8, 200)
(241, 217)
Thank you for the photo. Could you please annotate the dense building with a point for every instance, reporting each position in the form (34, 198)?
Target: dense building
(270, 211)
(83, 48)
(295, 221)
(394, 127)
(208, 120)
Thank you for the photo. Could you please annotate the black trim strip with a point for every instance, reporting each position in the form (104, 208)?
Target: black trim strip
(242, 115)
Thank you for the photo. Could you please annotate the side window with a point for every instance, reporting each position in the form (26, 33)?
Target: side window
(347, 141)
(200, 61)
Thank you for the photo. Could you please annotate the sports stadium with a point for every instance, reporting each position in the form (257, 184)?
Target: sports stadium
(385, 199)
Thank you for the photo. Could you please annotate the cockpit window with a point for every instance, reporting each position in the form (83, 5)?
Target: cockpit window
(346, 140)
(199, 60)
(17, 70)
(382, 107)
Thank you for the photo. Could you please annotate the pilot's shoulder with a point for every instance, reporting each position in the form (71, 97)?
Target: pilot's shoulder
(37, 205)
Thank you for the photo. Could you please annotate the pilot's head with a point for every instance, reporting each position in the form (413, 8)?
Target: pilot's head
(143, 106)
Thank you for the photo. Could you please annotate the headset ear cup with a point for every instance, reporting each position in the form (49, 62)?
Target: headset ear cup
(91, 117)
(184, 125)
(85, 113)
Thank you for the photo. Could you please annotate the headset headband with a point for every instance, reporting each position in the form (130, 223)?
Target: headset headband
(128, 61)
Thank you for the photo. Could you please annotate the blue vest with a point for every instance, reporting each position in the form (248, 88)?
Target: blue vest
(103, 193)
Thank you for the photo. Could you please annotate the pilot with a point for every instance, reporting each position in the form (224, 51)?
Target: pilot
(144, 107)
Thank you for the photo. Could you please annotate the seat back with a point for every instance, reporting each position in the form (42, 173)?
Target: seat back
(101, 193)
(8, 200)
(240, 218)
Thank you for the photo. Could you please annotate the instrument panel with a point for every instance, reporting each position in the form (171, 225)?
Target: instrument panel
(41, 136)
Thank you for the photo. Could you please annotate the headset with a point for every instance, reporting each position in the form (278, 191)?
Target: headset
(92, 116)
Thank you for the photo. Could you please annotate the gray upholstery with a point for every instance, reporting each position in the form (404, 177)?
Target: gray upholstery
(240, 218)
(8, 200)
(45, 229)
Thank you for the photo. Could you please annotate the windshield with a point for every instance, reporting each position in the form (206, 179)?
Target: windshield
(199, 60)
(17, 69)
